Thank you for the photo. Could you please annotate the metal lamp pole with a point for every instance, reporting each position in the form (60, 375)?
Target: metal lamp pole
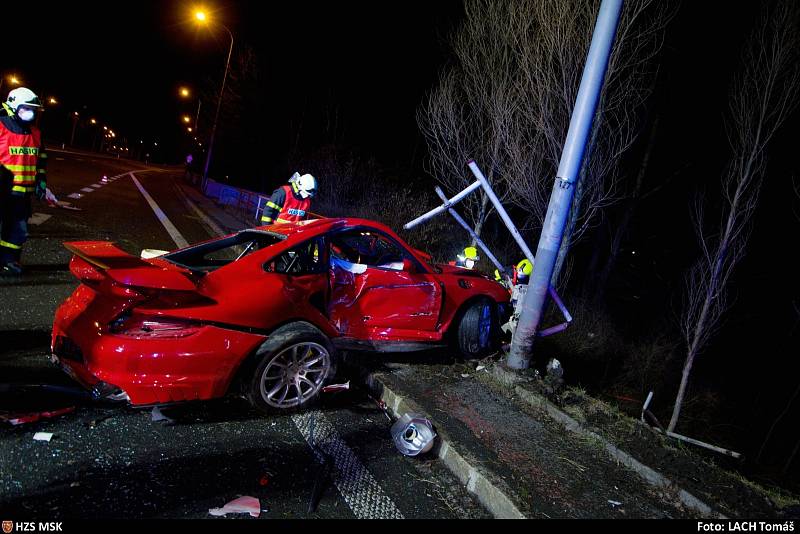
(216, 115)
(594, 73)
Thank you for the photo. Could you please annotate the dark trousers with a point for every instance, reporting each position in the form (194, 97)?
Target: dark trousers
(14, 213)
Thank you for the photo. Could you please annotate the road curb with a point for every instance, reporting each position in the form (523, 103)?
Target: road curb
(510, 380)
(478, 482)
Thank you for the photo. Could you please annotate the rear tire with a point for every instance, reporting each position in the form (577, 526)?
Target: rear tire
(294, 363)
(478, 329)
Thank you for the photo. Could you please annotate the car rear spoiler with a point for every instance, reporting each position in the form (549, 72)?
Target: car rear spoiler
(106, 259)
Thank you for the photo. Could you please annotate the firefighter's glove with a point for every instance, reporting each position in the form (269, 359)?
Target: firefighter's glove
(41, 189)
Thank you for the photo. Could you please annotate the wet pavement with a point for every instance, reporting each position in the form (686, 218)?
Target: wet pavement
(113, 461)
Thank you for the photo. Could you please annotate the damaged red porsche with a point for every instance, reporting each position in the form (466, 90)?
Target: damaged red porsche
(263, 312)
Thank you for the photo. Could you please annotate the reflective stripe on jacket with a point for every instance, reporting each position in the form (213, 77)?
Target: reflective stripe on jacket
(19, 154)
(294, 207)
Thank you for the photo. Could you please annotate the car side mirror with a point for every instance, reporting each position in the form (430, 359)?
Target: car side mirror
(409, 266)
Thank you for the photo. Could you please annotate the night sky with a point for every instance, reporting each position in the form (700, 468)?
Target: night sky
(368, 65)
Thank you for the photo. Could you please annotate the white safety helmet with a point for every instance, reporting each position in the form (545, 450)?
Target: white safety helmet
(307, 185)
(22, 96)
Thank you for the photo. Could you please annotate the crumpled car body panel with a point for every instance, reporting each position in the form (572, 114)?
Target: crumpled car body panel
(164, 332)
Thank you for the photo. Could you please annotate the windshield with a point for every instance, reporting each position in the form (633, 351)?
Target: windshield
(220, 252)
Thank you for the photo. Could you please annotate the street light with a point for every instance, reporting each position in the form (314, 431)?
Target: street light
(202, 18)
(52, 100)
(187, 119)
(12, 79)
(186, 93)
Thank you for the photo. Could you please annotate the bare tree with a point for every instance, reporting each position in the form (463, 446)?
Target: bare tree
(507, 102)
(471, 112)
(762, 98)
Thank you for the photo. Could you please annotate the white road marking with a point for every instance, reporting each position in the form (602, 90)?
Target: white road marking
(358, 487)
(87, 189)
(171, 230)
(38, 218)
(96, 186)
(75, 195)
(211, 224)
(355, 483)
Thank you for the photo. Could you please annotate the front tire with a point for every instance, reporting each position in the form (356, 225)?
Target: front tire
(296, 361)
(477, 334)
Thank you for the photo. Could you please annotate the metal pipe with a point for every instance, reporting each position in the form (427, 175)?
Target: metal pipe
(448, 203)
(564, 188)
(216, 115)
(500, 210)
(470, 231)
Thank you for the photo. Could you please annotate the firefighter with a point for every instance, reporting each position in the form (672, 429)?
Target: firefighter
(468, 259)
(22, 173)
(523, 271)
(291, 202)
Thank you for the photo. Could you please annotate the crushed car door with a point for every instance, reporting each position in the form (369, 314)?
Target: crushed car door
(377, 292)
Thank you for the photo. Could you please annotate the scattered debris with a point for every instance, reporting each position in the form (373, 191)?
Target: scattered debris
(324, 471)
(334, 388)
(18, 419)
(94, 422)
(614, 503)
(242, 505)
(43, 436)
(413, 434)
(75, 484)
(465, 375)
(157, 416)
(480, 368)
(647, 416)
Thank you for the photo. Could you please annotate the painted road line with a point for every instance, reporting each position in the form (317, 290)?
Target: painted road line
(75, 195)
(171, 230)
(87, 189)
(96, 186)
(214, 227)
(38, 218)
(358, 487)
(355, 483)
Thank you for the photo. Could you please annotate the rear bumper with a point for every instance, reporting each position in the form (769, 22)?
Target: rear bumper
(151, 371)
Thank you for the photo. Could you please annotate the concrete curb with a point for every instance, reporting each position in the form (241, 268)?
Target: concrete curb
(477, 482)
(511, 381)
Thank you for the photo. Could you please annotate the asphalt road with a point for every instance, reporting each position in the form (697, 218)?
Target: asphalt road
(111, 461)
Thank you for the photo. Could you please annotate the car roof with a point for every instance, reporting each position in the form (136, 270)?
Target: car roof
(321, 226)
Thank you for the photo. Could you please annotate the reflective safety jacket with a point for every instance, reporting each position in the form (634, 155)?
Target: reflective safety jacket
(21, 157)
(286, 205)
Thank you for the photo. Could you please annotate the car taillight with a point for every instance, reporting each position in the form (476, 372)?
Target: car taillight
(148, 327)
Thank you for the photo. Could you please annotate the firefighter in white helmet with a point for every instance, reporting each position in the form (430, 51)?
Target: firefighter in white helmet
(291, 202)
(22, 173)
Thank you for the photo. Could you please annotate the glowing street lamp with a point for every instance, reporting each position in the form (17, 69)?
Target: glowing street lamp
(202, 18)
(187, 119)
(12, 79)
(184, 92)
(52, 100)
(93, 121)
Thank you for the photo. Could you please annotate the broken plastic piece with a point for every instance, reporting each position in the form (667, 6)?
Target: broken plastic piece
(333, 388)
(614, 503)
(156, 416)
(242, 505)
(43, 436)
(18, 419)
(413, 434)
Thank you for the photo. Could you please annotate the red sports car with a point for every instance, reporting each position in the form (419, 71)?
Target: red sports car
(262, 312)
